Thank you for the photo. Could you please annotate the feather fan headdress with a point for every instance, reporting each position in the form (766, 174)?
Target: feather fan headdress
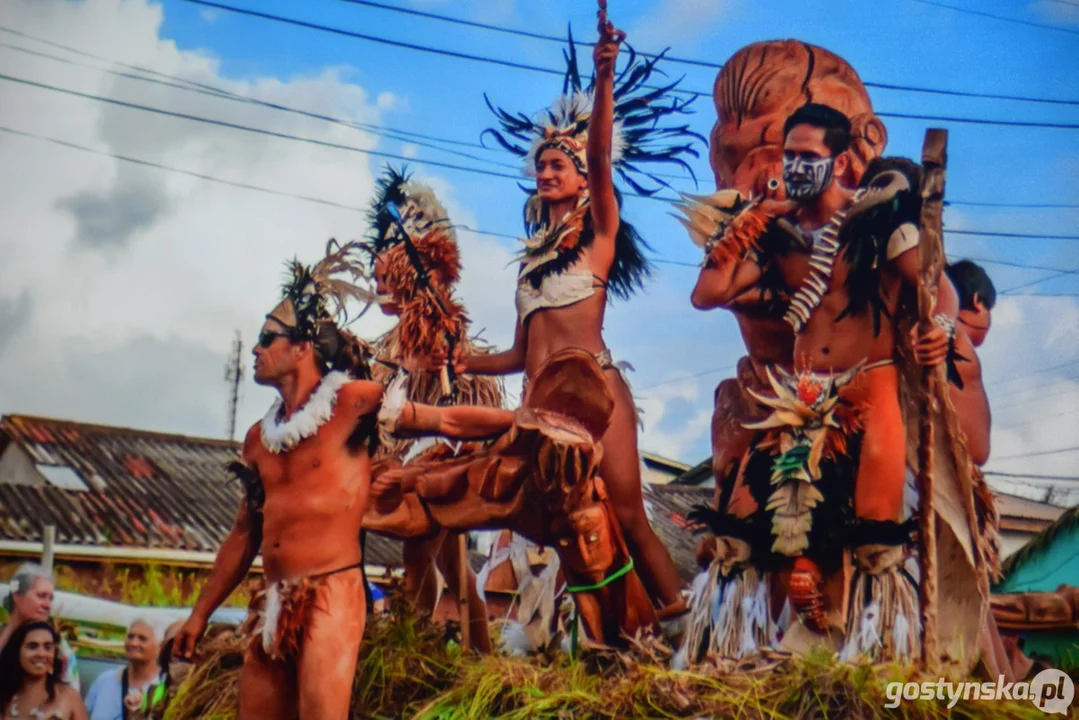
(429, 229)
(317, 295)
(638, 138)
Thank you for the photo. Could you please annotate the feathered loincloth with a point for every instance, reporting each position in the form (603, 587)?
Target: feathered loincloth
(279, 612)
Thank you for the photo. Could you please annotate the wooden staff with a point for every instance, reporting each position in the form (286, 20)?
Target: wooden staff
(462, 592)
(931, 254)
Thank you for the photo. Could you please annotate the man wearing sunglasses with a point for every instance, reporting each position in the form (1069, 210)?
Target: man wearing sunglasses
(306, 471)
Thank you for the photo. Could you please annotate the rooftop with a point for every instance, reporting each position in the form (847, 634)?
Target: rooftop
(116, 487)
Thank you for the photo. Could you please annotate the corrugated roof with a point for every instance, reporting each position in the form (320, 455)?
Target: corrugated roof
(669, 505)
(146, 489)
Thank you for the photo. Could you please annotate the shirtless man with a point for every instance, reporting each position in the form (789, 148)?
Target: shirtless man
(307, 474)
(844, 291)
(965, 302)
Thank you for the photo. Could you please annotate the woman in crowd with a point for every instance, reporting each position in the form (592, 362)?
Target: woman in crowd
(31, 684)
(30, 598)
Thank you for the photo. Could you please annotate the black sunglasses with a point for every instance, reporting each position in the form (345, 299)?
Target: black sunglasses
(266, 338)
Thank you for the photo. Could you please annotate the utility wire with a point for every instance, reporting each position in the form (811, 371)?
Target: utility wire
(214, 89)
(1011, 205)
(1033, 373)
(179, 171)
(1026, 236)
(391, 156)
(1054, 274)
(1025, 476)
(683, 378)
(681, 60)
(1039, 453)
(979, 13)
(211, 91)
(550, 71)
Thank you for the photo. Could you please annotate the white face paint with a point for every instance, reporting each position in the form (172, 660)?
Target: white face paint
(806, 179)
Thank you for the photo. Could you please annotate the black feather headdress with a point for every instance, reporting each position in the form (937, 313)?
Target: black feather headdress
(640, 140)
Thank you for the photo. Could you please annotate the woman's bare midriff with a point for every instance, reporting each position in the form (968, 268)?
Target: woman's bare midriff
(550, 330)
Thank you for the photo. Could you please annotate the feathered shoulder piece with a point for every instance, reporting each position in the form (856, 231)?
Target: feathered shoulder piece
(316, 294)
(881, 224)
(727, 226)
(640, 137)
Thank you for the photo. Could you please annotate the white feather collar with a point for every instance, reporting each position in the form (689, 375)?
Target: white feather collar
(280, 436)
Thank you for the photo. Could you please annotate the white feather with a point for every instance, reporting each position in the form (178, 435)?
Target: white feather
(283, 436)
(563, 114)
(394, 400)
(271, 616)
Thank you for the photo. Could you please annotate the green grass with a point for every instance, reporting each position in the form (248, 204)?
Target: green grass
(407, 669)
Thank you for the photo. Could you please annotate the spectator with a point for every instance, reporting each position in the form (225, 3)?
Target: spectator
(31, 683)
(116, 695)
(172, 670)
(30, 598)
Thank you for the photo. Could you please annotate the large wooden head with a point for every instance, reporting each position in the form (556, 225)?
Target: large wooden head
(759, 88)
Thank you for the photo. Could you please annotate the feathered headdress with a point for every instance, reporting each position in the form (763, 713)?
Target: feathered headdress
(429, 229)
(637, 137)
(316, 296)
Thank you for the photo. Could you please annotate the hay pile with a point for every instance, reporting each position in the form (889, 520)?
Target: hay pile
(407, 669)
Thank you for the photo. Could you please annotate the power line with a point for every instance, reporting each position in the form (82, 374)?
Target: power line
(1040, 453)
(1008, 263)
(1026, 476)
(180, 171)
(1045, 295)
(998, 17)
(1012, 205)
(391, 156)
(1035, 421)
(1038, 281)
(245, 128)
(1032, 374)
(212, 91)
(681, 60)
(683, 378)
(1023, 236)
(375, 38)
(550, 71)
(1019, 391)
(222, 181)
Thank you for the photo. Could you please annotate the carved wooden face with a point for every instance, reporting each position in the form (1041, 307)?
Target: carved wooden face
(755, 93)
(588, 549)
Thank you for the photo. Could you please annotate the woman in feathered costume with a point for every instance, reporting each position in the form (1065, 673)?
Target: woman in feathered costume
(415, 278)
(580, 252)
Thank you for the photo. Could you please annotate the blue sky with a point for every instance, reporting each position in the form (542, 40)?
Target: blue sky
(680, 354)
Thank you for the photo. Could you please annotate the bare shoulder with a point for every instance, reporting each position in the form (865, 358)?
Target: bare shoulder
(252, 443)
(362, 395)
(69, 701)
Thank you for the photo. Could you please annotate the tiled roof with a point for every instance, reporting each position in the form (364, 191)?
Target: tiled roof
(667, 507)
(145, 489)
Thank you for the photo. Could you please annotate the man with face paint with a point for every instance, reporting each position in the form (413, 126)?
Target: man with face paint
(827, 469)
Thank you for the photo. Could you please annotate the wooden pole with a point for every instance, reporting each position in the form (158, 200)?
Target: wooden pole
(48, 543)
(462, 590)
(931, 255)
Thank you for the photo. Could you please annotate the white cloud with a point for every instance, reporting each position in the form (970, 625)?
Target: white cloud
(1033, 411)
(689, 429)
(208, 15)
(121, 286)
